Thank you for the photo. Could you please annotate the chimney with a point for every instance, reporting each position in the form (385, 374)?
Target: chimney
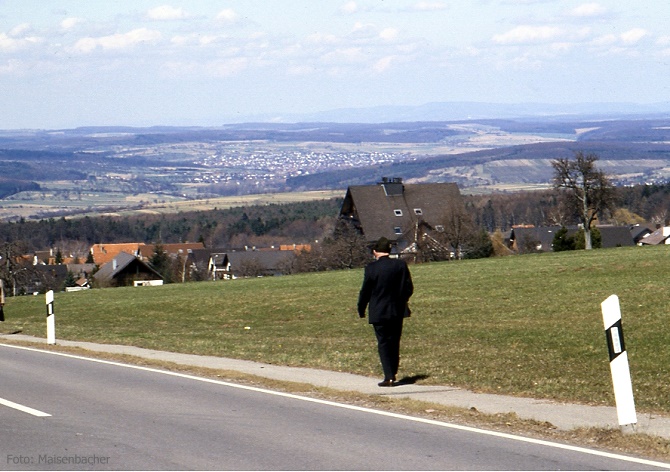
(393, 186)
(114, 264)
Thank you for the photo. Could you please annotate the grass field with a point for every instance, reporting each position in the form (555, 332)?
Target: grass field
(524, 325)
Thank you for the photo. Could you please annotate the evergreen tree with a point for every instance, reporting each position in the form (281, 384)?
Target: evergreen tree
(479, 246)
(160, 261)
(70, 280)
(563, 242)
(596, 239)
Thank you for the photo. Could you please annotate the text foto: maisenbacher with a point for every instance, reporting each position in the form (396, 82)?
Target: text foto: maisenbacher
(75, 459)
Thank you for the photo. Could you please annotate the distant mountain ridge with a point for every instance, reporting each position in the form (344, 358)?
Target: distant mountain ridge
(450, 111)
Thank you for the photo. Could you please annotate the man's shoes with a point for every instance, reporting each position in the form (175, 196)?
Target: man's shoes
(386, 383)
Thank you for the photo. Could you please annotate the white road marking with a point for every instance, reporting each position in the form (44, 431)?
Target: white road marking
(23, 408)
(443, 424)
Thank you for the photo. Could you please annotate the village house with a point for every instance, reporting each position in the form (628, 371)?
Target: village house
(405, 214)
(525, 239)
(260, 262)
(655, 237)
(252, 261)
(146, 251)
(218, 266)
(200, 263)
(103, 253)
(126, 270)
(641, 231)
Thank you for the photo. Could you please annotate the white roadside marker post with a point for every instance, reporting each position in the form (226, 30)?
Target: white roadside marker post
(51, 321)
(623, 386)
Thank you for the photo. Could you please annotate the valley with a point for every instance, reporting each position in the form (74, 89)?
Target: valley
(89, 171)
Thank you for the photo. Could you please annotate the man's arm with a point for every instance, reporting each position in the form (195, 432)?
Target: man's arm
(407, 288)
(365, 294)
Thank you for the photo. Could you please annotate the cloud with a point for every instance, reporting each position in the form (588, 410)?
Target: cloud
(228, 67)
(429, 6)
(218, 68)
(9, 43)
(18, 30)
(528, 34)
(118, 41)
(300, 70)
(16, 39)
(344, 55)
(627, 38)
(388, 34)
(525, 2)
(228, 16)
(322, 38)
(634, 35)
(166, 12)
(588, 10)
(349, 8)
(69, 23)
(382, 64)
(605, 40)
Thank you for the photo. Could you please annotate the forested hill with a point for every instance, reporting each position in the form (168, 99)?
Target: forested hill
(236, 227)
(12, 186)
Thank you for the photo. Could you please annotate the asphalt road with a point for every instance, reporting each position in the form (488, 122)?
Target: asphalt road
(108, 416)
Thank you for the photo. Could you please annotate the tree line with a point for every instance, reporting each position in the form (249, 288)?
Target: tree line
(261, 226)
(502, 211)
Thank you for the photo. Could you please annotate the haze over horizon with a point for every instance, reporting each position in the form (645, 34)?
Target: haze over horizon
(68, 63)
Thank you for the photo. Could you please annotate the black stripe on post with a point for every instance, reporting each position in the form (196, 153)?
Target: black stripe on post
(615, 343)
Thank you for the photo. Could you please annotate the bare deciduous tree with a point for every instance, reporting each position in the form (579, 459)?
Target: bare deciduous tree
(458, 228)
(587, 190)
(251, 267)
(17, 271)
(348, 248)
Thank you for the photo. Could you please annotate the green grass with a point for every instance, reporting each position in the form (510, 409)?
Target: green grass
(524, 325)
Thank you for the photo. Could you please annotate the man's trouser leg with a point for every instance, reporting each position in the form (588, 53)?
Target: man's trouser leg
(388, 344)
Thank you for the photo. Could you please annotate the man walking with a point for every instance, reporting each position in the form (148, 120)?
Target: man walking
(387, 287)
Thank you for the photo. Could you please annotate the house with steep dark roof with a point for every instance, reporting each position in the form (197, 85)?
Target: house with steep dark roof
(615, 236)
(260, 262)
(126, 270)
(402, 213)
(525, 239)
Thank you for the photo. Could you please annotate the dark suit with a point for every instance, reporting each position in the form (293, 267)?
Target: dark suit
(387, 287)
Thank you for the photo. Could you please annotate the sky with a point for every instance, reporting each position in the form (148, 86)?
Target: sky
(71, 63)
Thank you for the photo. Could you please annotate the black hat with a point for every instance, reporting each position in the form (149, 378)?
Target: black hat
(382, 245)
